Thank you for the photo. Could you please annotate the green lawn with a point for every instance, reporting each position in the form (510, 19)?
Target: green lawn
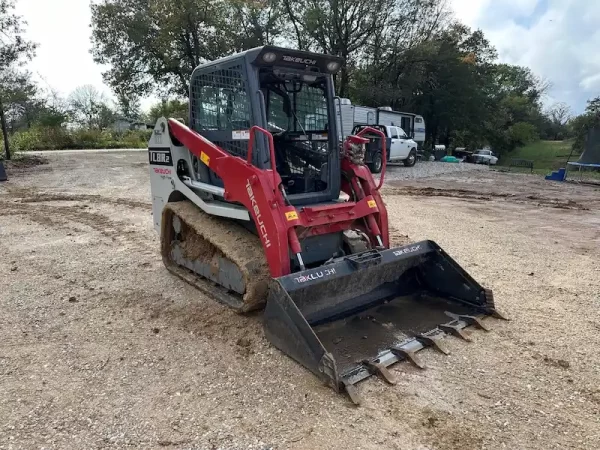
(546, 155)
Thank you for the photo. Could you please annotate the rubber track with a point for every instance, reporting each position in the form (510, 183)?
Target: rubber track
(232, 241)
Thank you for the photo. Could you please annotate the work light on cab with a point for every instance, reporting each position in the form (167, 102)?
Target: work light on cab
(269, 57)
(333, 66)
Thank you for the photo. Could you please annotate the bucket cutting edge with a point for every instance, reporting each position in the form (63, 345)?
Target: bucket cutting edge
(356, 316)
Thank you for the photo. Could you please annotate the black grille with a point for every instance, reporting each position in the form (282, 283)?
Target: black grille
(311, 108)
(219, 102)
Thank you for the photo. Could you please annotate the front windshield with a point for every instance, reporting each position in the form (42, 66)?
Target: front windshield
(297, 113)
(296, 105)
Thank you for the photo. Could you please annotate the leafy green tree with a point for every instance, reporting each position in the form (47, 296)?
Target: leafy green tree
(128, 105)
(558, 116)
(593, 107)
(56, 112)
(90, 108)
(522, 133)
(170, 109)
(516, 95)
(26, 105)
(581, 124)
(253, 23)
(150, 51)
(19, 99)
(14, 49)
(408, 54)
(337, 27)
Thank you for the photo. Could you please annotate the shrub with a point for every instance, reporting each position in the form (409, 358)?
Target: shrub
(59, 138)
(522, 133)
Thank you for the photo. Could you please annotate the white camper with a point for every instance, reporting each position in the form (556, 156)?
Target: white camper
(365, 115)
(350, 115)
(345, 117)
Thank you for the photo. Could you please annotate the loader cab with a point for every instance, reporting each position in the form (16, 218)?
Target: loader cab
(287, 92)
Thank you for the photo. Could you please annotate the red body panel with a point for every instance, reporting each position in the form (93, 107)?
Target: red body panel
(278, 224)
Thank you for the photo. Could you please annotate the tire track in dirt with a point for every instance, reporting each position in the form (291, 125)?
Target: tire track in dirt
(397, 237)
(203, 316)
(59, 216)
(488, 196)
(92, 198)
(30, 203)
(63, 217)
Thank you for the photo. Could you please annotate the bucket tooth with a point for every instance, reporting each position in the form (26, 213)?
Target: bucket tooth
(381, 370)
(353, 394)
(408, 355)
(475, 321)
(470, 320)
(488, 295)
(499, 315)
(433, 341)
(455, 330)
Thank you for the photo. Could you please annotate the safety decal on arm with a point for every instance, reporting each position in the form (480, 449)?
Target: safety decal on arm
(291, 215)
(205, 158)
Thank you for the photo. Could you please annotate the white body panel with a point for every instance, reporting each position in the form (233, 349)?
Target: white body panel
(365, 115)
(400, 145)
(395, 119)
(164, 182)
(348, 116)
(419, 129)
(407, 121)
(345, 119)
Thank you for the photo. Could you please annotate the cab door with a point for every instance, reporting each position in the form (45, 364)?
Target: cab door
(405, 143)
(395, 144)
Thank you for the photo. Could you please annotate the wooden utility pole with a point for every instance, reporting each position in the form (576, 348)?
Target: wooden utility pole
(4, 130)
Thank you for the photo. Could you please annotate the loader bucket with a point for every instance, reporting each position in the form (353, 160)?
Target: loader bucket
(353, 318)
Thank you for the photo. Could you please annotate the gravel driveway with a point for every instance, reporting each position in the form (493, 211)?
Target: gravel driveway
(425, 169)
(100, 347)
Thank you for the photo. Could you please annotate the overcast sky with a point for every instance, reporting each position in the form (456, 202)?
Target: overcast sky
(558, 39)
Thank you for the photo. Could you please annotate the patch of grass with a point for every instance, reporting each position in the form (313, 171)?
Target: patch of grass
(546, 155)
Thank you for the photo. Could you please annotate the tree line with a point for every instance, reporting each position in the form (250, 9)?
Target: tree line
(412, 55)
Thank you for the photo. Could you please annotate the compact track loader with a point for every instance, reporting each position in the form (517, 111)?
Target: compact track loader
(260, 205)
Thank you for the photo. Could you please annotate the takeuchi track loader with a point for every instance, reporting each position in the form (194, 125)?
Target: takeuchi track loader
(260, 205)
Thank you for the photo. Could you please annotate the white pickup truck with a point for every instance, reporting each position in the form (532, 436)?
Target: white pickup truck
(399, 147)
(484, 156)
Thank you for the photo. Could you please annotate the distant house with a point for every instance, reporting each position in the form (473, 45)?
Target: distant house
(122, 124)
(140, 126)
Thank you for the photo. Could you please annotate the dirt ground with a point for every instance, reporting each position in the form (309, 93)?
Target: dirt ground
(101, 347)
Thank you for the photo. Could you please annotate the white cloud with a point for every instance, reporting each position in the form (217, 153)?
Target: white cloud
(469, 11)
(62, 30)
(591, 83)
(558, 40)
